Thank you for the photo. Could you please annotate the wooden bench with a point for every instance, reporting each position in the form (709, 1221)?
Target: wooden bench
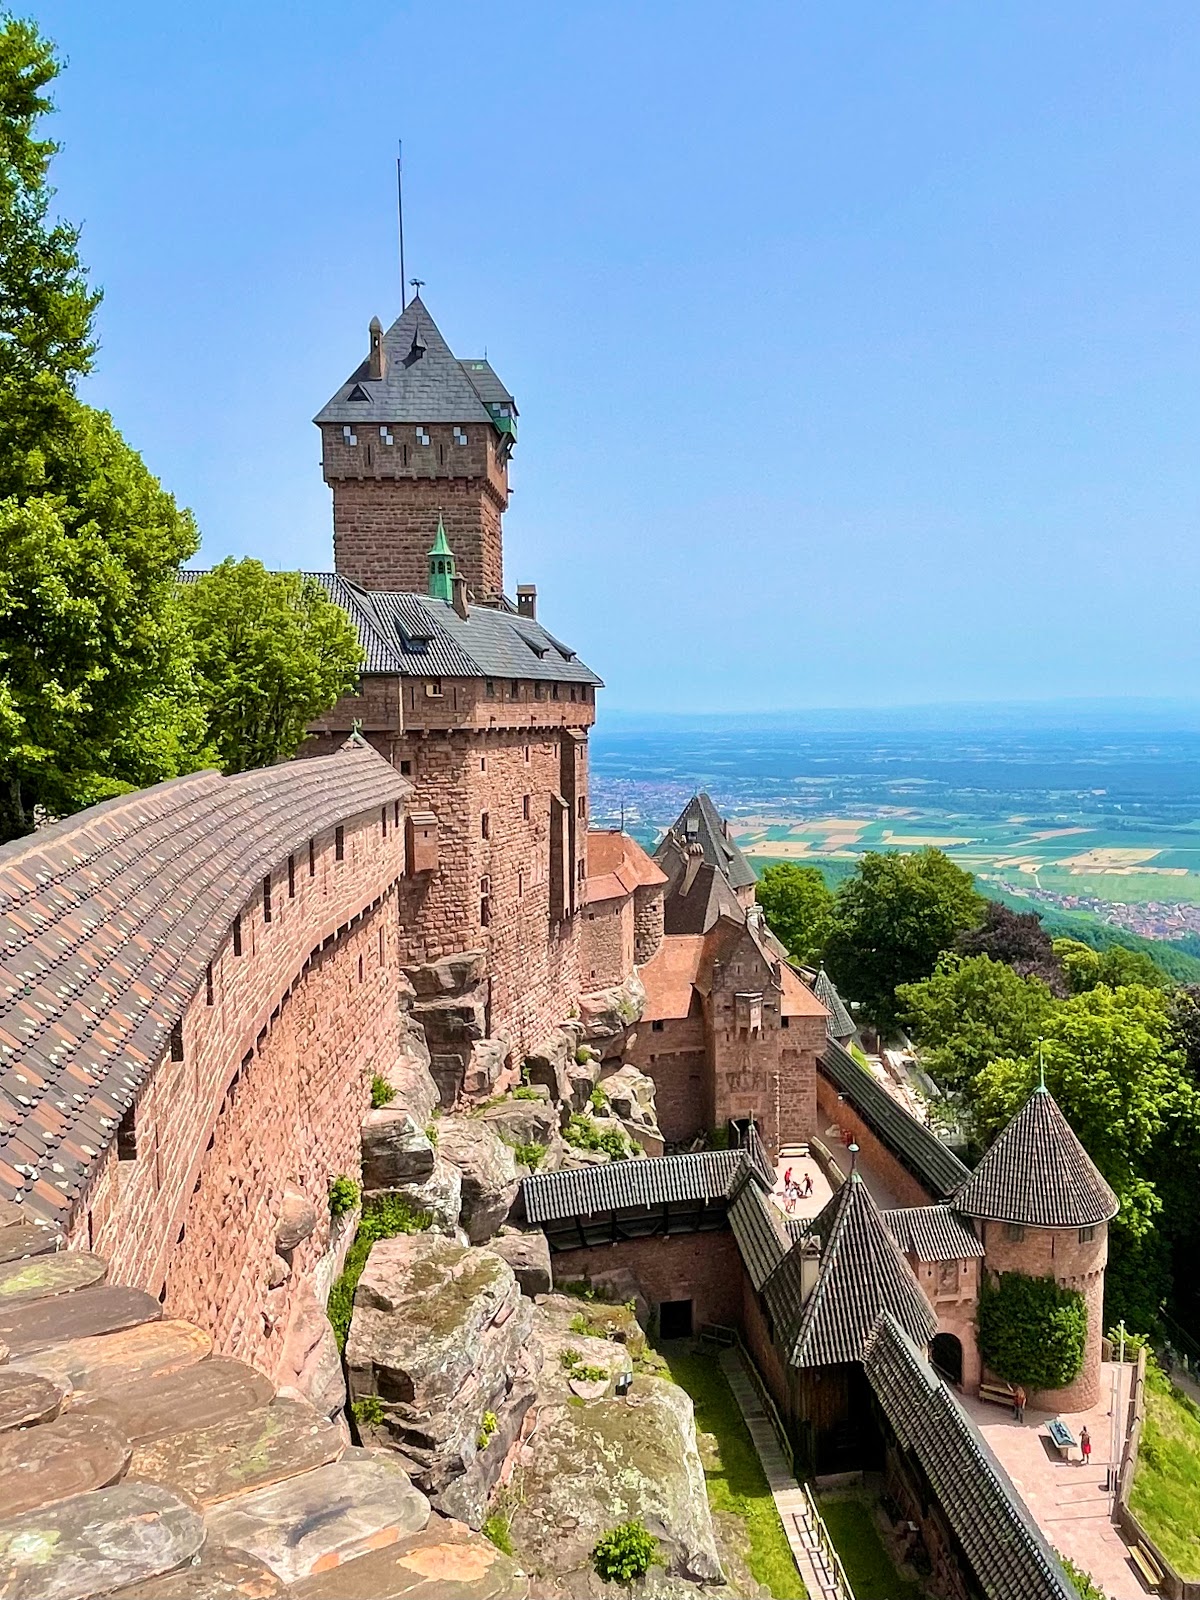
(1000, 1394)
(1149, 1569)
(1061, 1437)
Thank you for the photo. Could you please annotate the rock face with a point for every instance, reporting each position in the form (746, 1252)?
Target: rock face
(440, 1194)
(409, 1076)
(593, 1464)
(609, 1014)
(528, 1254)
(485, 1066)
(440, 1336)
(630, 1096)
(395, 1150)
(446, 1561)
(451, 1008)
(490, 1175)
(311, 1363)
(523, 1121)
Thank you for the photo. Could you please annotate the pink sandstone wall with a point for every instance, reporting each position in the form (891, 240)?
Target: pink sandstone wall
(704, 1268)
(833, 1112)
(606, 942)
(271, 1090)
(676, 1058)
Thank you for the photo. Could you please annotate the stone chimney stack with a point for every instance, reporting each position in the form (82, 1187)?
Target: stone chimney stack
(695, 860)
(458, 595)
(376, 361)
(527, 601)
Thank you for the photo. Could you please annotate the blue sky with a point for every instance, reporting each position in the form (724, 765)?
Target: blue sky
(856, 345)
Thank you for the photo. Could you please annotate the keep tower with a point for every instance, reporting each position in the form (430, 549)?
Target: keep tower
(413, 434)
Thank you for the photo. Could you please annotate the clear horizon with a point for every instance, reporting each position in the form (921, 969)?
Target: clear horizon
(857, 351)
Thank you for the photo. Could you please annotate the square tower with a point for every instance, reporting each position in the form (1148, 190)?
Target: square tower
(413, 433)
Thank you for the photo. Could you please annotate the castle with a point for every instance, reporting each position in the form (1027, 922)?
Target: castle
(203, 981)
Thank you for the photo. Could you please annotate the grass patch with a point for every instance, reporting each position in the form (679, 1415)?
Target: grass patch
(496, 1529)
(735, 1481)
(1166, 1486)
(868, 1566)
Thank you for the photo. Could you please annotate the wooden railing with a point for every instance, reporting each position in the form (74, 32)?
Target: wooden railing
(827, 1564)
(768, 1403)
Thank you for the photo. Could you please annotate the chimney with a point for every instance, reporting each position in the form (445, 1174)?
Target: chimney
(810, 1268)
(695, 860)
(458, 595)
(376, 362)
(527, 601)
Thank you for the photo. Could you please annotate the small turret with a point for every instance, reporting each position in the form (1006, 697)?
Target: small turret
(441, 566)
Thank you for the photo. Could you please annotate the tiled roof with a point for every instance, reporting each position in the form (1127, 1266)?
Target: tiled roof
(756, 1226)
(706, 900)
(109, 920)
(1038, 1174)
(617, 865)
(797, 999)
(841, 1024)
(433, 387)
(937, 1168)
(670, 975)
(701, 823)
(861, 1274)
(618, 1185)
(1004, 1547)
(932, 1233)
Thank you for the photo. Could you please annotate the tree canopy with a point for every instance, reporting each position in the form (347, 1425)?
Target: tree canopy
(1018, 939)
(891, 922)
(798, 907)
(972, 1010)
(1032, 1331)
(272, 652)
(1085, 968)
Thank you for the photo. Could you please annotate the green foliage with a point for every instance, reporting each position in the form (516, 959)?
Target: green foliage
(892, 921)
(598, 1099)
(382, 1093)
(798, 908)
(368, 1410)
(525, 1092)
(344, 1195)
(583, 1054)
(590, 1374)
(431, 1133)
(718, 1138)
(1086, 968)
(870, 1570)
(1165, 1496)
(488, 1424)
(625, 1553)
(383, 1218)
(1032, 1331)
(272, 651)
(1083, 1584)
(1134, 1344)
(496, 1527)
(579, 1323)
(570, 1358)
(529, 1155)
(573, 1362)
(970, 1012)
(583, 1133)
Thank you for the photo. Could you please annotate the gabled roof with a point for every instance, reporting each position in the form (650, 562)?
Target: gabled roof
(840, 1025)
(670, 977)
(1038, 1174)
(1005, 1549)
(618, 1185)
(705, 901)
(797, 999)
(617, 865)
(756, 1226)
(934, 1166)
(423, 381)
(107, 922)
(862, 1273)
(701, 823)
(932, 1233)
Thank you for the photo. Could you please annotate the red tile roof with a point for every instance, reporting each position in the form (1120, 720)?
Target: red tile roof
(617, 865)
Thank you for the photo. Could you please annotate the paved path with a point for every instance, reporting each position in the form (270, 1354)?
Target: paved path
(1068, 1501)
(801, 1167)
(786, 1492)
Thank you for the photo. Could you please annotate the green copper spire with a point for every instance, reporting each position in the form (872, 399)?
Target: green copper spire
(441, 566)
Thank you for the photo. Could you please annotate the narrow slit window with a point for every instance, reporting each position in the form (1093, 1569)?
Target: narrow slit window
(291, 877)
(237, 935)
(312, 858)
(127, 1137)
(267, 913)
(339, 843)
(177, 1041)
(209, 996)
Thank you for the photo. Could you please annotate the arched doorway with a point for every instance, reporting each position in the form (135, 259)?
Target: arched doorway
(946, 1355)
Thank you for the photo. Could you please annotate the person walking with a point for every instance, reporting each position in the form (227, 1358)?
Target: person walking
(1085, 1445)
(1019, 1401)
(807, 1189)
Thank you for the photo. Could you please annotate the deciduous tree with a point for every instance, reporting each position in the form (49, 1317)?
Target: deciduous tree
(1018, 939)
(798, 908)
(971, 1012)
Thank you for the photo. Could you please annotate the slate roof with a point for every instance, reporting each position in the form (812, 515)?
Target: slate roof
(109, 920)
(937, 1168)
(756, 1226)
(862, 1273)
(1004, 1547)
(841, 1024)
(619, 1185)
(701, 823)
(1038, 1174)
(433, 387)
(932, 1233)
(707, 899)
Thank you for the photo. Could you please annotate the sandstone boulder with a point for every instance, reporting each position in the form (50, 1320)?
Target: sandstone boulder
(614, 1321)
(592, 1464)
(528, 1254)
(410, 1077)
(485, 1066)
(395, 1150)
(297, 1219)
(453, 974)
(490, 1175)
(609, 1014)
(440, 1338)
(523, 1121)
(311, 1364)
(445, 1561)
(440, 1195)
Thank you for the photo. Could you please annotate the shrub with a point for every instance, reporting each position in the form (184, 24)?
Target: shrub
(343, 1195)
(1032, 1331)
(431, 1133)
(583, 1133)
(584, 1054)
(487, 1427)
(579, 1323)
(496, 1528)
(1082, 1582)
(368, 1410)
(599, 1099)
(591, 1374)
(570, 1358)
(529, 1155)
(625, 1553)
(1134, 1342)
(382, 1093)
(525, 1091)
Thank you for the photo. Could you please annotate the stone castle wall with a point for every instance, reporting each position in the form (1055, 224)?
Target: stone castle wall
(834, 1113)
(675, 1056)
(704, 1268)
(606, 942)
(648, 912)
(270, 1091)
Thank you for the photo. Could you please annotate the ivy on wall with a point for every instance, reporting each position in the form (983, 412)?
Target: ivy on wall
(1032, 1331)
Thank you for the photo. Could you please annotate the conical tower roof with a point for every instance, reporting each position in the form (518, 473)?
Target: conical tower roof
(1037, 1174)
(840, 1024)
(862, 1273)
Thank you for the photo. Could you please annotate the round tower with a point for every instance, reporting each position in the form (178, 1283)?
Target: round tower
(1042, 1208)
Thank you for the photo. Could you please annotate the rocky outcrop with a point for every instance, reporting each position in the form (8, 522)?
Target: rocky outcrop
(524, 1121)
(439, 1352)
(547, 1063)
(609, 1014)
(630, 1096)
(528, 1254)
(395, 1150)
(592, 1464)
(490, 1175)
(311, 1364)
(450, 1005)
(439, 1195)
(485, 1067)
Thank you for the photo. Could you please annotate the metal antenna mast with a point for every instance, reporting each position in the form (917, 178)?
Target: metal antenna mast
(400, 218)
